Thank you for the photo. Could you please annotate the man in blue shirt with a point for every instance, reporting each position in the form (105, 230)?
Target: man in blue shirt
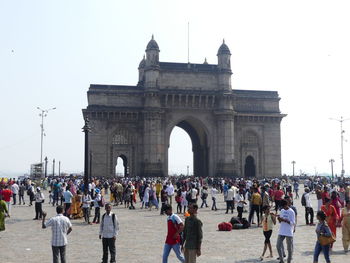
(67, 195)
(56, 192)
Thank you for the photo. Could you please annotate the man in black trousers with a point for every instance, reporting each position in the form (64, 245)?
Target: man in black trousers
(109, 228)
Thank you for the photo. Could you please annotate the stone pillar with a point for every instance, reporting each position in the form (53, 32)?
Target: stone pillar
(200, 161)
(153, 155)
(225, 144)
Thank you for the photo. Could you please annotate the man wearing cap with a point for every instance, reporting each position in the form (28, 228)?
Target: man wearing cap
(39, 200)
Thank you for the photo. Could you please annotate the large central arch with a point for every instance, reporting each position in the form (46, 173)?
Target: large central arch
(200, 144)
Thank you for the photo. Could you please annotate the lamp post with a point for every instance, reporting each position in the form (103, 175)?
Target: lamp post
(59, 168)
(188, 170)
(45, 166)
(86, 130)
(332, 161)
(341, 120)
(43, 113)
(90, 165)
(53, 167)
(293, 163)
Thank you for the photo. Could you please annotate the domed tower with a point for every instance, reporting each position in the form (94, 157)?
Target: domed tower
(152, 53)
(224, 65)
(142, 66)
(224, 56)
(151, 71)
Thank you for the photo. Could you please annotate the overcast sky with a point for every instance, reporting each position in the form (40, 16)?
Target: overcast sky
(51, 51)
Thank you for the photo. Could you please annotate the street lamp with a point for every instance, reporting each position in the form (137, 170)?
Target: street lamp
(332, 161)
(45, 167)
(43, 113)
(53, 167)
(90, 166)
(293, 163)
(341, 120)
(86, 130)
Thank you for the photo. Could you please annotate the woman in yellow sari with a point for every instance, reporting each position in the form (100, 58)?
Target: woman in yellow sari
(345, 217)
(76, 210)
(3, 213)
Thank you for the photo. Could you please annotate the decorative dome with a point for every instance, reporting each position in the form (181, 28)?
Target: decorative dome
(152, 44)
(143, 62)
(224, 49)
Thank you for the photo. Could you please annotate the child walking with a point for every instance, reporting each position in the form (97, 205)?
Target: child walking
(268, 220)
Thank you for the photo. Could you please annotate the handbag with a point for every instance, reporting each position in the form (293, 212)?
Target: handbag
(326, 240)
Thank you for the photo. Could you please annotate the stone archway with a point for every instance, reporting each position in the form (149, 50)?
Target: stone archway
(200, 144)
(137, 120)
(249, 167)
(125, 165)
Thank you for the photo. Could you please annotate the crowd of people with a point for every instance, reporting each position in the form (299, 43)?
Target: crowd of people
(267, 202)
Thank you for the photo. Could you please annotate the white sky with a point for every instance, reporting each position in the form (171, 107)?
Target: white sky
(299, 48)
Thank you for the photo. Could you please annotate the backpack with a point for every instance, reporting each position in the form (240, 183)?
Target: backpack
(225, 226)
(29, 191)
(151, 194)
(245, 223)
(235, 220)
(189, 196)
(178, 198)
(237, 226)
(303, 200)
(113, 219)
(102, 202)
(204, 195)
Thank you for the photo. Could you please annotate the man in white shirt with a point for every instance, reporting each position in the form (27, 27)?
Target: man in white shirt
(14, 189)
(109, 228)
(213, 193)
(287, 220)
(240, 201)
(308, 208)
(86, 200)
(61, 227)
(170, 191)
(193, 194)
(97, 203)
(230, 199)
(39, 199)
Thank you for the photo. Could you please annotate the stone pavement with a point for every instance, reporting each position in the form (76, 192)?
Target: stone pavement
(142, 235)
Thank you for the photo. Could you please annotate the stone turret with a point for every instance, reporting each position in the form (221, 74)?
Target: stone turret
(224, 57)
(151, 70)
(224, 65)
(152, 53)
(141, 68)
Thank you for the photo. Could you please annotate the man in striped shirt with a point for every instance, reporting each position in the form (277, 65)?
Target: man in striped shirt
(61, 227)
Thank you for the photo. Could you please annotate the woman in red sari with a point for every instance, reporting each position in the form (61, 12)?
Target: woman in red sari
(337, 203)
(332, 216)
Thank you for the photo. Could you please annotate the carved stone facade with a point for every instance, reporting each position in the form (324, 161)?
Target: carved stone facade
(233, 132)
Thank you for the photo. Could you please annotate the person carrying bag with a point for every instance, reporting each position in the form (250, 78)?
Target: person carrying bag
(324, 238)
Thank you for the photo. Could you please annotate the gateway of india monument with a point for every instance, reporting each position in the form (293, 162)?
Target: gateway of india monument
(233, 132)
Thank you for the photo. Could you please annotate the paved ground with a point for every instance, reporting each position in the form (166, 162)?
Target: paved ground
(142, 236)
